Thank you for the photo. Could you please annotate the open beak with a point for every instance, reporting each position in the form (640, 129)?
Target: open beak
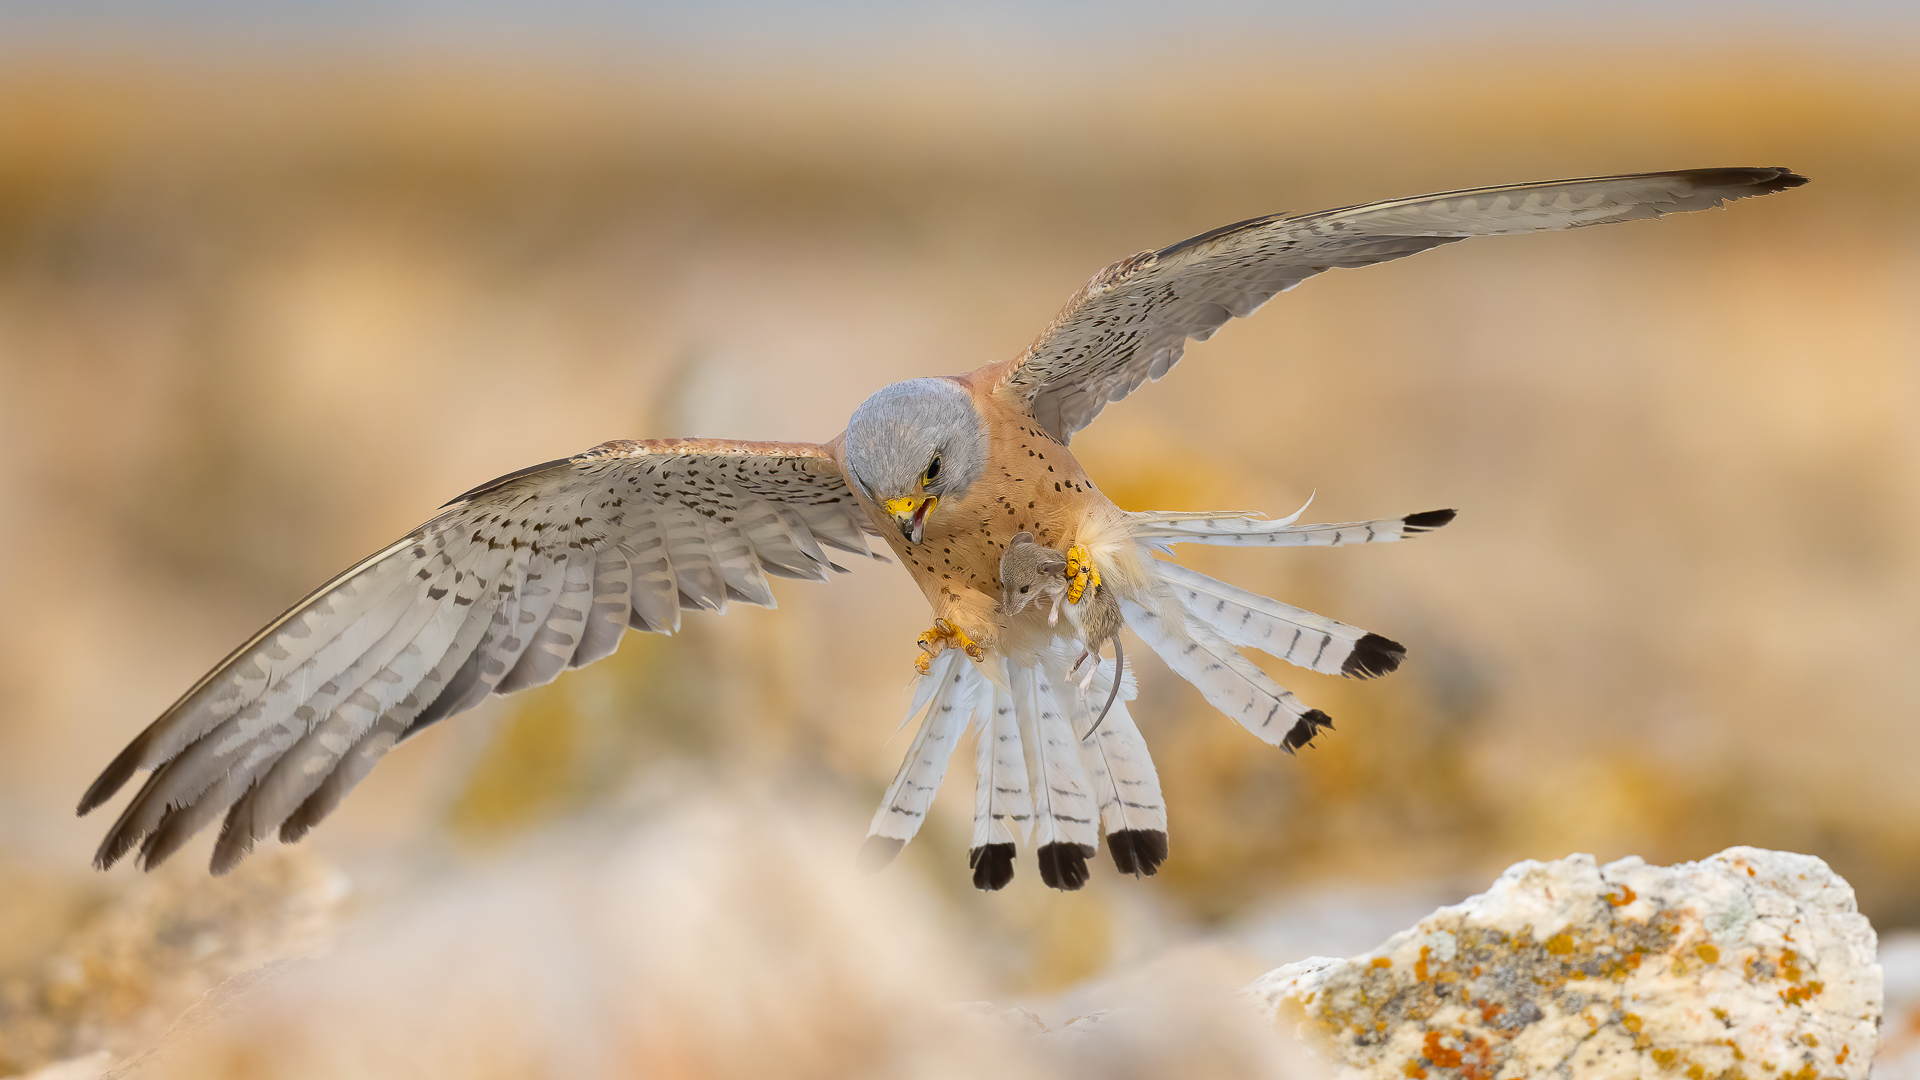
(910, 513)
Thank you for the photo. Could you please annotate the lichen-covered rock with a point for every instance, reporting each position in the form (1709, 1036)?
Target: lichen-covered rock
(1749, 964)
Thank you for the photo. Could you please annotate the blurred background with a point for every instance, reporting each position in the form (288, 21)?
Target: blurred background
(276, 281)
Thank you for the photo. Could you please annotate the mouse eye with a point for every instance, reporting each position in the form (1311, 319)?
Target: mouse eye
(1026, 588)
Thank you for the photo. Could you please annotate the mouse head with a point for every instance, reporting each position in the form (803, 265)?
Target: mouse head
(1029, 571)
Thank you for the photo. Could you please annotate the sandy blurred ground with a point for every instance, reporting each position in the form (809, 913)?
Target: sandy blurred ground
(258, 317)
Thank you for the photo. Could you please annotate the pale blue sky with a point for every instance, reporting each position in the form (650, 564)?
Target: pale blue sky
(825, 26)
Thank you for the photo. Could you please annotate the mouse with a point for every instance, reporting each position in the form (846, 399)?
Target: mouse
(1029, 571)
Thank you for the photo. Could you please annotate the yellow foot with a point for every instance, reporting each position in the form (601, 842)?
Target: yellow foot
(944, 635)
(1081, 575)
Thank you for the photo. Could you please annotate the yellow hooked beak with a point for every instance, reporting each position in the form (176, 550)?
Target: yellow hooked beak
(910, 513)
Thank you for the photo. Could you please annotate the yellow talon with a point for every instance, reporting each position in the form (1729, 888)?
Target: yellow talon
(1080, 573)
(944, 635)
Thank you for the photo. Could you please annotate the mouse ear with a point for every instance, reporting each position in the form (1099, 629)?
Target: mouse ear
(1021, 538)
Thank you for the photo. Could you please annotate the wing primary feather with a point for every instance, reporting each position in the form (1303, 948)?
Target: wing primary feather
(1130, 323)
(224, 691)
(248, 742)
(515, 580)
(302, 769)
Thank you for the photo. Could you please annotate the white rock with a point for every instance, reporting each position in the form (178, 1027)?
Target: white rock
(1752, 963)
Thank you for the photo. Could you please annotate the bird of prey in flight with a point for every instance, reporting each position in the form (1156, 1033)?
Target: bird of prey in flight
(547, 568)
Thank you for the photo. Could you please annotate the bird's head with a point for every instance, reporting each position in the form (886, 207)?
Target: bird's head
(913, 444)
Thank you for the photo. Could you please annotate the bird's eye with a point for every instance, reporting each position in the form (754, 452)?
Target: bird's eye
(933, 470)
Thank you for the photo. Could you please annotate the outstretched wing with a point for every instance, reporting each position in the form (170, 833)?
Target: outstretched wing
(1132, 321)
(512, 583)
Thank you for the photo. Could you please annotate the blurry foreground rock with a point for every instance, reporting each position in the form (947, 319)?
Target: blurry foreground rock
(124, 974)
(1751, 963)
(723, 934)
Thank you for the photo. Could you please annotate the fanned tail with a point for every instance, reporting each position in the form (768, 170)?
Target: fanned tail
(1162, 530)
(949, 694)
(1119, 770)
(1002, 805)
(1296, 635)
(1065, 818)
(1230, 682)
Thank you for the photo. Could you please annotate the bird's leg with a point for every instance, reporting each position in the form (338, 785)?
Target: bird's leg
(1081, 575)
(941, 636)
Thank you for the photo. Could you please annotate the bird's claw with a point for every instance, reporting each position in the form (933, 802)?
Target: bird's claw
(1081, 575)
(942, 636)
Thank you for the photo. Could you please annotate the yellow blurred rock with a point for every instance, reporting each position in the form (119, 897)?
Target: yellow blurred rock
(1751, 962)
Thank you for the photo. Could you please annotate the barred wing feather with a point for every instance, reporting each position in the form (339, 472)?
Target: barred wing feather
(511, 584)
(1131, 323)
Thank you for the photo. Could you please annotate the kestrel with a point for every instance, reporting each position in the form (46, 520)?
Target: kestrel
(546, 568)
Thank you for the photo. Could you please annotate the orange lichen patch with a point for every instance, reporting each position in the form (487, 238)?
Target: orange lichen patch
(1695, 1072)
(1810, 1039)
(1665, 1058)
(1709, 952)
(1412, 1068)
(1841, 1057)
(1422, 995)
(1790, 966)
(1795, 995)
(1626, 896)
(1380, 962)
(1632, 1022)
(1443, 1056)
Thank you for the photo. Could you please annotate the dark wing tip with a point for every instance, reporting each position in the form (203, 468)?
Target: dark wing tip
(1427, 520)
(1310, 724)
(111, 850)
(1373, 655)
(992, 866)
(1764, 181)
(1063, 866)
(877, 852)
(1138, 851)
(113, 777)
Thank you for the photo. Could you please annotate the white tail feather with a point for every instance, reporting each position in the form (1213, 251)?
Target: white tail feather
(1296, 635)
(1161, 531)
(1230, 682)
(948, 693)
(1119, 769)
(1066, 823)
(1002, 805)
